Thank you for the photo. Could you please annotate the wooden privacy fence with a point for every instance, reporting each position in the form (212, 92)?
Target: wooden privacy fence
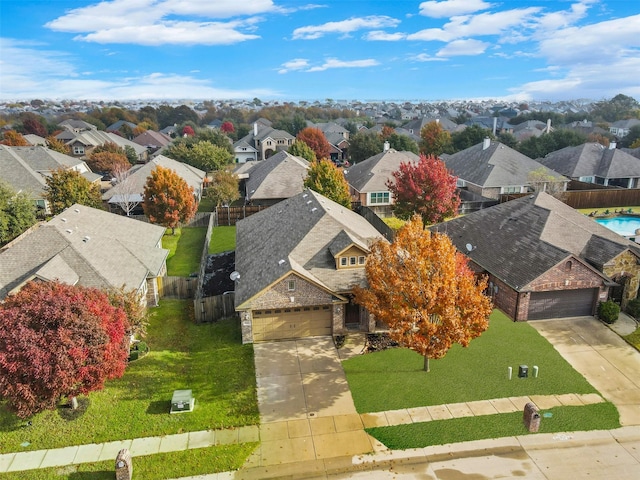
(377, 222)
(211, 309)
(201, 219)
(601, 198)
(230, 215)
(178, 287)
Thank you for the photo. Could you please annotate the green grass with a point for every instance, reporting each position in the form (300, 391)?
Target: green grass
(185, 250)
(209, 359)
(198, 461)
(223, 239)
(633, 339)
(394, 378)
(206, 205)
(599, 416)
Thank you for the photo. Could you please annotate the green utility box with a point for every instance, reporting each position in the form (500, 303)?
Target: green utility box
(182, 401)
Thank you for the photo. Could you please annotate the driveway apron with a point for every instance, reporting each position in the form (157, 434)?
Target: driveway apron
(607, 362)
(306, 408)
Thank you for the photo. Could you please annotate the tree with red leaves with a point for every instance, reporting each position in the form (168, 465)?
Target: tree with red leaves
(227, 127)
(188, 131)
(168, 199)
(425, 188)
(316, 140)
(58, 341)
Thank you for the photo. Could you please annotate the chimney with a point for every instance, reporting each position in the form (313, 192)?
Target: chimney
(612, 145)
(486, 143)
(386, 146)
(495, 125)
(255, 129)
(548, 125)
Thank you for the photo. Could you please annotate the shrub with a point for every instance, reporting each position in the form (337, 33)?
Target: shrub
(608, 311)
(633, 307)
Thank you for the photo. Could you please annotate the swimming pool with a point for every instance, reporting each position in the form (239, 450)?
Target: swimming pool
(626, 226)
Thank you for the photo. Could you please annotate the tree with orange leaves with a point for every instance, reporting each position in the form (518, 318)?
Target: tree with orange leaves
(168, 199)
(425, 292)
(14, 139)
(316, 140)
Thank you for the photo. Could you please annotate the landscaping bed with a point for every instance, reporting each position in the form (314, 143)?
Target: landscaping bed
(217, 274)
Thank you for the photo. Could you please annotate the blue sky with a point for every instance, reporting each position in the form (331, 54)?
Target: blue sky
(292, 50)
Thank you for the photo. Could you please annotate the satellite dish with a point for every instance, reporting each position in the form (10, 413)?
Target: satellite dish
(234, 276)
(469, 247)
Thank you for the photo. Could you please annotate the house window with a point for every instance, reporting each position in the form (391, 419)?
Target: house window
(78, 150)
(510, 189)
(291, 285)
(568, 265)
(586, 179)
(361, 260)
(352, 260)
(378, 198)
(343, 261)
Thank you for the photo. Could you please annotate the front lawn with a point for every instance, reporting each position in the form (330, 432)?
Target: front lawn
(223, 239)
(394, 378)
(208, 358)
(185, 250)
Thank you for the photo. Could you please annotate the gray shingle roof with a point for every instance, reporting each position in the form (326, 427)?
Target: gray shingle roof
(496, 166)
(592, 159)
(296, 235)
(99, 248)
(518, 241)
(279, 176)
(372, 174)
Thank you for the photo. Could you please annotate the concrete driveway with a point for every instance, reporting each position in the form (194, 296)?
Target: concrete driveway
(306, 408)
(607, 362)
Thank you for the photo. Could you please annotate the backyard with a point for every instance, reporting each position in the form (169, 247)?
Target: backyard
(394, 379)
(185, 250)
(207, 358)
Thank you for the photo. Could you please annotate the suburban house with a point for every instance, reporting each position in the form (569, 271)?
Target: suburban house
(132, 189)
(26, 168)
(82, 142)
(88, 247)
(491, 169)
(244, 152)
(265, 139)
(544, 259)
(122, 127)
(153, 141)
(415, 126)
(338, 138)
(296, 264)
(368, 179)
(594, 163)
(274, 179)
(621, 127)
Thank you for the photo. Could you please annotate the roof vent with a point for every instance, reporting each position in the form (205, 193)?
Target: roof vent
(86, 239)
(76, 210)
(313, 209)
(69, 231)
(309, 202)
(280, 262)
(304, 195)
(63, 219)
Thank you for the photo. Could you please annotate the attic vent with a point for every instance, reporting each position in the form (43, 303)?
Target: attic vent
(69, 231)
(309, 202)
(76, 210)
(86, 239)
(63, 219)
(280, 262)
(304, 195)
(313, 209)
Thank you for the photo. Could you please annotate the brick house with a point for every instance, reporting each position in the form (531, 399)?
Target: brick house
(297, 263)
(546, 260)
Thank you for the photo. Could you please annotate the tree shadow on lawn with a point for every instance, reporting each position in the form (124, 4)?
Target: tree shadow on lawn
(159, 407)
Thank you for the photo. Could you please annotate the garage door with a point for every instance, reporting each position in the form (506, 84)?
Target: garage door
(565, 303)
(288, 323)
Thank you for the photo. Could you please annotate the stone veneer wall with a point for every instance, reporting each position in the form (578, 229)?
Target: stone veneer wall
(625, 264)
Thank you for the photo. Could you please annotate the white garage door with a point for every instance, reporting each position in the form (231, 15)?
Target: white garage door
(281, 324)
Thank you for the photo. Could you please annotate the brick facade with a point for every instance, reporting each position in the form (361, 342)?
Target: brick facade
(625, 265)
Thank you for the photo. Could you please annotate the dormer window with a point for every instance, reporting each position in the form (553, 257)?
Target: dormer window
(291, 285)
(361, 260)
(352, 261)
(343, 261)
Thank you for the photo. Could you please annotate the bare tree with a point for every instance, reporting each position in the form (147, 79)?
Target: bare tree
(125, 194)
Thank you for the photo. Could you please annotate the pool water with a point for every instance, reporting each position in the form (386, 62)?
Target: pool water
(626, 226)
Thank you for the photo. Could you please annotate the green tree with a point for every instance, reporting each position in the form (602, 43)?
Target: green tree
(402, 143)
(470, 136)
(168, 200)
(65, 188)
(538, 147)
(364, 145)
(17, 213)
(508, 139)
(301, 149)
(327, 179)
(619, 107)
(435, 139)
(58, 145)
(131, 154)
(209, 157)
(631, 137)
(224, 188)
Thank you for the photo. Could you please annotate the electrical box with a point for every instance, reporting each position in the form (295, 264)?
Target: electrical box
(182, 401)
(523, 371)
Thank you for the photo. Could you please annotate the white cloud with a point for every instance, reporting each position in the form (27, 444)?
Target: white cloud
(160, 22)
(450, 8)
(313, 32)
(28, 71)
(463, 47)
(424, 57)
(295, 64)
(379, 35)
(335, 63)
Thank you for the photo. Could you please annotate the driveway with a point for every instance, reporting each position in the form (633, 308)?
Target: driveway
(306, 408)
(607, 362)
